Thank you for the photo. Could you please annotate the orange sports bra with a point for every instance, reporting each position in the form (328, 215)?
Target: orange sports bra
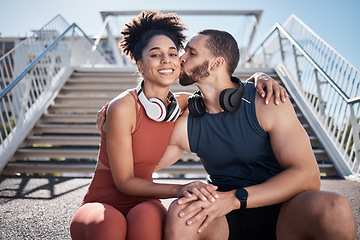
(149, 142)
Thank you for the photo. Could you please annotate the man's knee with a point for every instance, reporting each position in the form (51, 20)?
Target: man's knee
(333, 214)
(172, 217)
(174, 225)
(331, 207)
(337, 214)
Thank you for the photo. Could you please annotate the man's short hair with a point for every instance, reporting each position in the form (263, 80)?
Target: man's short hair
(223, 44)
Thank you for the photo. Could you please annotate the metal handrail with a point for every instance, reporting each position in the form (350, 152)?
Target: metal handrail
(23, 100)
(38, 59)
(13, 83)
(23, 42)
(330, 107)
(278, 27)
(105, 55)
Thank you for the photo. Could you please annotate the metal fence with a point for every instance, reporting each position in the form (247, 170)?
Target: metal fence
(329, 85)
(33, 72)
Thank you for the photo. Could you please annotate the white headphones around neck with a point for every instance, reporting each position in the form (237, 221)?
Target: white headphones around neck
(156, 109)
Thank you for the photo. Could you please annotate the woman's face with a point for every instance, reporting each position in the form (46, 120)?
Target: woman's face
(160, 62)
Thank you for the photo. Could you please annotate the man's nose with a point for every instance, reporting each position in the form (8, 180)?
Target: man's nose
(182, 58)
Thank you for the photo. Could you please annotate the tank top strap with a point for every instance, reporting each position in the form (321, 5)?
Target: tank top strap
(138, 109)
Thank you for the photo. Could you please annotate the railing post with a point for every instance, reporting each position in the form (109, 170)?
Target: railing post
(356, 133)
(318, 89)
(265, 58)
(251, 39)
(71, 44)
(298, 71)
(281, 48)
(114, 46)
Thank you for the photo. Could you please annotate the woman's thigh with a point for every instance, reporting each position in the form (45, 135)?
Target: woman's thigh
(98, 221)
(146, 220)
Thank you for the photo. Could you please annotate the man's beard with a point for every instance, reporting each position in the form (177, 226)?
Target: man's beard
(196, 73)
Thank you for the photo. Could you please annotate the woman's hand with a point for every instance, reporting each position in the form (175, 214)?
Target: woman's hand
(100, 118)
(197, 190)
(262, 81)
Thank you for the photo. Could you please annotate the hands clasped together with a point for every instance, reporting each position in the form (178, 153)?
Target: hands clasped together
(201, 202)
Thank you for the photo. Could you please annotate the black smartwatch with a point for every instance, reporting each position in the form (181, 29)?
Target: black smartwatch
(242, 195)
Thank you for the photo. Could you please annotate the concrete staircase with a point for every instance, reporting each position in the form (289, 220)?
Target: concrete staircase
(65, 140)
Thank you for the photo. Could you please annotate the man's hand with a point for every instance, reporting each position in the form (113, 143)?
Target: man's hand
(197, 190)
(262, 81)
(100, 117)
(210, 210)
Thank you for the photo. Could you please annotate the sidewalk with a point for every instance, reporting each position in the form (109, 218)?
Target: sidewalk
(41, 208)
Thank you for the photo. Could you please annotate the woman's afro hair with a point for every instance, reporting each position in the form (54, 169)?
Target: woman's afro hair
(138, 32)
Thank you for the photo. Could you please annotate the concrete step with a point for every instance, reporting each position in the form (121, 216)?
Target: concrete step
(76, 108)
(103, 73)
(176, 169)
(65, 128)
(95, 91)
(61, 153)
(68, 118)
(41, 167)
(62, 140)
(327, 170)
(95, 81)
(315, 142)
(321, 156)
(68, 99)
(71, 156)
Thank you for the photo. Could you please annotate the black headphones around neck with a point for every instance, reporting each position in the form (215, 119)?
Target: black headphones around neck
(156, 109)
(229, 99)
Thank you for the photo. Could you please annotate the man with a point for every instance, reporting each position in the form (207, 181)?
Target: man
(258, 155)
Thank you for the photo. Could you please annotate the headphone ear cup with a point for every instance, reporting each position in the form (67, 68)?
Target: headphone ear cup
(230, 99)
(155, 109)
(236, 97)
(172, 111)
(196, 105)
(224, 99)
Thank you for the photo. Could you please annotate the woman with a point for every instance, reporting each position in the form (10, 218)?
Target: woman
(122, 201)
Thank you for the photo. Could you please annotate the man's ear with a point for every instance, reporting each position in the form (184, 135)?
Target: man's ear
(139, 65)
(217, 63)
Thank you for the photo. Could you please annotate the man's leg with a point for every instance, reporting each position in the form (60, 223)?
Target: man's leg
(176, 227)
(316, 215)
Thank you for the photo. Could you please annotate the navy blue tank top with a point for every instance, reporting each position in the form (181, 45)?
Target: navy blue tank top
(234, 149)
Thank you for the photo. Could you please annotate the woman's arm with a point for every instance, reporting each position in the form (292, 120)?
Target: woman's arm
(120, 123)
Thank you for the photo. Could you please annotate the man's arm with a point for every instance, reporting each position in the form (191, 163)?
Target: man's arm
(292, 149)
(178, 142)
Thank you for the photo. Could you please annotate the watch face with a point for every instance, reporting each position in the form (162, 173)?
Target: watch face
(241, 193)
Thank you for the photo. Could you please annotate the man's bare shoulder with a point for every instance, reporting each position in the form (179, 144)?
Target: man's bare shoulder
(270, 114)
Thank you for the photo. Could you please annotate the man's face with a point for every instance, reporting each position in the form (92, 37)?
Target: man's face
(195, 61)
